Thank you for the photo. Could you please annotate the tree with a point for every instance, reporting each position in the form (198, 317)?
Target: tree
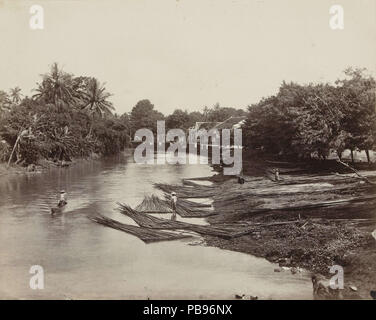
(195, 116)
(95, 101)
(267, 128)
(206, 112)
(315, 118)
(179, 119)
(143, 115)
(219, 114)
(4, 101)
(357, 96)
(56, 88)
(15, 95)
(317, 121)
(298, 121)
(54, 123)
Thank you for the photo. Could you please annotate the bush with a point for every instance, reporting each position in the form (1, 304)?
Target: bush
(5, 150)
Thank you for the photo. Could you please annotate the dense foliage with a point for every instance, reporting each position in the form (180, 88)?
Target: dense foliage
(67, 117)
(72, 116)
(301, 120)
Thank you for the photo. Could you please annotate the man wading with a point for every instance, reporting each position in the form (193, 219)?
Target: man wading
(174, 199)
(63, 201)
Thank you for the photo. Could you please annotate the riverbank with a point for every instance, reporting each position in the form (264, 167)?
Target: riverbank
(292, 227)
(314, 246)
(42, 165)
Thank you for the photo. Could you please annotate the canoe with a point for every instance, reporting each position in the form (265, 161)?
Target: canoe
(58, 209)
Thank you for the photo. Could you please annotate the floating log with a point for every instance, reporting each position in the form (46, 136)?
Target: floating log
(188, 203)
(185, 208)
(150, 222)
(188, 191)
(190, 183)
(145, 235)
(153, 204)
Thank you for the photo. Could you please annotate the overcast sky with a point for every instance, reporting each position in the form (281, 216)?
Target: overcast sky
(187, 53)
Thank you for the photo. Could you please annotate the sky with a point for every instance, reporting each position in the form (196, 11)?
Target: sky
(186, 53)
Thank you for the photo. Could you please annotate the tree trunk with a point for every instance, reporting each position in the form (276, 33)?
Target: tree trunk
(368, 159)
(91, 129)
(14, 148)
(352, 156)
(339, 153)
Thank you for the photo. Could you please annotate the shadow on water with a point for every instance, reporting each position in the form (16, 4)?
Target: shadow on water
(84, 260)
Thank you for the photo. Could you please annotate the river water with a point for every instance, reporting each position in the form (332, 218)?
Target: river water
(82, 259)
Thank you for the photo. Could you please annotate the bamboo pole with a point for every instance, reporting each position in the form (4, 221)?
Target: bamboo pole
(356, 172)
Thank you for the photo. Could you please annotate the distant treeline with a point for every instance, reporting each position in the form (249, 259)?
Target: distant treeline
(302, 120)
(71, 116)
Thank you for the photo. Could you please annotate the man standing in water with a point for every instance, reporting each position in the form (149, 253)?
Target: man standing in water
(174, 199)
(276, 174)
(62, 201)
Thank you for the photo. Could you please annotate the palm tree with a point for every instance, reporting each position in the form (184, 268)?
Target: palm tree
(15, 94)
(206, 112)
(4, 101)
(56, 88)
(96, 101)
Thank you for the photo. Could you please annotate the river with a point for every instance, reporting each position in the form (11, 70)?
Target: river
(84, 260)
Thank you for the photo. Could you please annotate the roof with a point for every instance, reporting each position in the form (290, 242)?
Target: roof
(231, 123)
(206, 125)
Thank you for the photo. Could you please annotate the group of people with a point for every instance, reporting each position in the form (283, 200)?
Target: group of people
(173, 198)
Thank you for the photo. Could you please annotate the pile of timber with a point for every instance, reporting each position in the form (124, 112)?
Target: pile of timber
(260, 194)
(252, 200)
(189, 182)
(190, 209)
(198, 191)
(256, 195)
(190, 204)
(144, 234)
(291, 193)
(154, 204)
(150, 222)
(184, 208)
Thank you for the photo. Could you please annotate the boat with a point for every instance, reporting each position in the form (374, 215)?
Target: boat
(58, 209)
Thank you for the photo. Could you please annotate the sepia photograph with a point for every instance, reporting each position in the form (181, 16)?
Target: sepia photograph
(172, 150)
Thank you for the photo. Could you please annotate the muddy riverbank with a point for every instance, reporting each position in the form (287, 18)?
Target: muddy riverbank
(315, 246)
(311, 221)
(295, 235)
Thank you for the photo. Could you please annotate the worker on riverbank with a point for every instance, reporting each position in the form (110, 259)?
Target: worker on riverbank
(174, 200)
(276, 174)
(63, 200)
(240, 179)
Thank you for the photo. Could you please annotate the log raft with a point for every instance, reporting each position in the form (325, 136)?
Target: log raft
(258, 195)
